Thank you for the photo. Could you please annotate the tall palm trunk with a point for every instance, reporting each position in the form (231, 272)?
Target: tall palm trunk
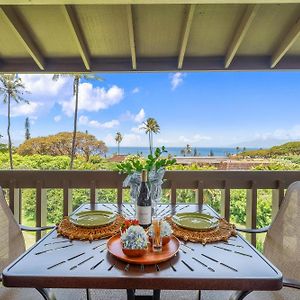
(150, 146)
(118, 148)
(8, 133)
(151, 142)
(75, 123)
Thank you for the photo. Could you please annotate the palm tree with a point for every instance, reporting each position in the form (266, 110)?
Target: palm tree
(27, 129)
(12, 88)
(77, 77)
(151, 126)
(237, 150)
(118, 139)
(188, 149)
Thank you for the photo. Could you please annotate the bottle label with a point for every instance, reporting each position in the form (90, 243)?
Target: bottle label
(144, 215)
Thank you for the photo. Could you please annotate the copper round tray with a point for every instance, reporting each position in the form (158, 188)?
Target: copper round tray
(114, 247)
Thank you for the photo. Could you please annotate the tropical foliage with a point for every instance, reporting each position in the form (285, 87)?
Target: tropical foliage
(151, 127)
(187, 150)
(136, 163)
(27, 129)
(61, 144)
(62, 162)
(118, 139)
(291, 148)
(11, 88)
(77, 77)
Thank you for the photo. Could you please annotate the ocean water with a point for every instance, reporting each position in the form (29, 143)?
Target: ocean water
(174, 151)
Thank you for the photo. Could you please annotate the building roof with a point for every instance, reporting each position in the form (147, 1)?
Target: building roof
(143, 35)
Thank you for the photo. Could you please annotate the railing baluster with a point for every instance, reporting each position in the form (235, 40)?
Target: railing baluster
(15, 200)
(93, 193)
(251, 211)
(199, 193)
(41, 207)
(225, 201)
(19, 196)
(17, 180)
(173, 194)
(68, 206)
(277, 197)
(120, 194)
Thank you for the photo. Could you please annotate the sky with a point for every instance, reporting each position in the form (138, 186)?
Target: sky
(203, 109)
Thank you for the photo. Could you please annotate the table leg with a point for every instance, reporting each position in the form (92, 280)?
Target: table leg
(131, 294)
(239, 295)
(199, 295)
(156, 294)
(88, 295)
(46, 294)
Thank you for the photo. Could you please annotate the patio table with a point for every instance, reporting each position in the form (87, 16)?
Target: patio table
(57, 262)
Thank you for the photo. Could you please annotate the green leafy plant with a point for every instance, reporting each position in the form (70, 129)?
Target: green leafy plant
(136, 163)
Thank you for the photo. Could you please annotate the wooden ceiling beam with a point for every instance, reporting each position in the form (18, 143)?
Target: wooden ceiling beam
(157, 64)
(23, 34)
(186, 33)
(130, 23)
(74, 26)
(240, 32)
(286, 44)
(125, 2)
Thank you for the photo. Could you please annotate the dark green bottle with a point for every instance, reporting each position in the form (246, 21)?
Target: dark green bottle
(144, 207)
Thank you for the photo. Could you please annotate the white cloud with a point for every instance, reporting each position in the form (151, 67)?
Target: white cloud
(129, 139)
(57, 118)
(25, 109)
(93, 99)
(162, 141)
(138, 129)
(43, 84)
(140, 116)
(194, 139)
(136, 90)
(84, 120)
(176, 80)
(43, 93)
(280, 134)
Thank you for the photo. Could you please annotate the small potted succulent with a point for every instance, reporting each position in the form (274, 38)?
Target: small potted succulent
(134, 241)
(165, 232)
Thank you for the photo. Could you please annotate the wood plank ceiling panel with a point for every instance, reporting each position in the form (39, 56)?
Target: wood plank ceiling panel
(158, 30)
(270, 26)
(105, 29)
(50, 30)
(212, 29)
(10, 46)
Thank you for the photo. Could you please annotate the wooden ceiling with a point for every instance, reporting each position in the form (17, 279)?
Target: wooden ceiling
(39, 36)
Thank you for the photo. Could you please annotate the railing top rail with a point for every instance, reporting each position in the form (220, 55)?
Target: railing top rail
(178, 179)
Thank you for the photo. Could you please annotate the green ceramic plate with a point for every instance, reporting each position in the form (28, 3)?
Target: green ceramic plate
(93, 218)
(195, 221)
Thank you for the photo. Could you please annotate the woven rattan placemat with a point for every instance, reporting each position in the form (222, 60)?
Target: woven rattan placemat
(222, 233)
(73, 232)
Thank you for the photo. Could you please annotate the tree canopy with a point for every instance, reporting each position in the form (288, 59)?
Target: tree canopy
(61, 144)
(291, 148)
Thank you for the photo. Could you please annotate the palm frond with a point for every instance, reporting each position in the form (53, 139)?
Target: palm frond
(92, 77)
(11, 84)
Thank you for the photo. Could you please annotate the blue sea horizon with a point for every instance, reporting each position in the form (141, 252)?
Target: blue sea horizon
(176, 151)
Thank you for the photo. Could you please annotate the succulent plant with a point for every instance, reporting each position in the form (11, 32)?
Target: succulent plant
(134, 237)
(165, 229)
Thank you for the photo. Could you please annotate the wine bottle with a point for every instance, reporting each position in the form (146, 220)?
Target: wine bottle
(144, 207)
